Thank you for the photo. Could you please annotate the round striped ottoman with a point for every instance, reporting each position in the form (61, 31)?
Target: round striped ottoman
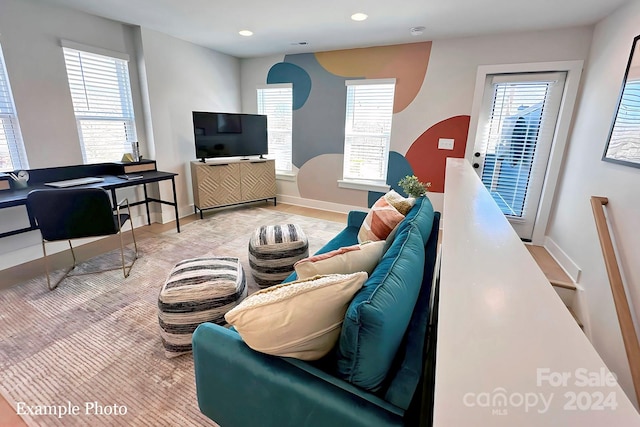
(273, 249)
(197, 290)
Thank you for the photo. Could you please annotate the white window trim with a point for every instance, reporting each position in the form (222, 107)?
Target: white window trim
(92, 49)
(282, 174)
(21, 162)
(275, 86)
(80, 117)
(574, 72)
(368, 185)
(363, 185)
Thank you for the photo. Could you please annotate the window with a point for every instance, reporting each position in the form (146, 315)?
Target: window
(101, 95)
(368, 130)
(12, 155)
(276, 102)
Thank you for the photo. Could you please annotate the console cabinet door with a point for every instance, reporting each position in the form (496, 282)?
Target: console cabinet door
(258, 180)
(216, 184)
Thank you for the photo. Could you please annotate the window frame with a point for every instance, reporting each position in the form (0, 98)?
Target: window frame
(9, 119)
(574, 72)
(375, 184)
(280, 172)
(125, 99)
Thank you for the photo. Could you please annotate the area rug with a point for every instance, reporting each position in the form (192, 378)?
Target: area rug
(91, 351)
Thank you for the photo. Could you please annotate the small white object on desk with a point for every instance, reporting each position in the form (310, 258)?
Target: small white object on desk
(74, 182)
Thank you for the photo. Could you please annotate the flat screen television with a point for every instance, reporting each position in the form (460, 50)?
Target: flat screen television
(229, 135)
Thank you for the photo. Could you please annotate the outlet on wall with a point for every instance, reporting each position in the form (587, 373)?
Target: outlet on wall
(445, 143)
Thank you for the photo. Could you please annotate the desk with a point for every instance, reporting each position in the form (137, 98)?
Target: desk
(108, 171)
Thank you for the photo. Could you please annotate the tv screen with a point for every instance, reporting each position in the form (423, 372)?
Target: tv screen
(229, 135)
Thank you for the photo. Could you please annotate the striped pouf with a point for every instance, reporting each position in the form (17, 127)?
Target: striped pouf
(273, 249)
(197, 290)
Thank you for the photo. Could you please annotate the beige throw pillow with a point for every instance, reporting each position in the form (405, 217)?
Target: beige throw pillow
(301, 319)
(402, 204)
(350, 259)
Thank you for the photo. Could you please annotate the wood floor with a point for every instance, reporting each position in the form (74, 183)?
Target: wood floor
(29, 270)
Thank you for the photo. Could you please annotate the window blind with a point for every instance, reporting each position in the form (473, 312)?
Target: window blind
(513, 129)
(369, 111)
(276, 102)
(12, 154)
(101, 95)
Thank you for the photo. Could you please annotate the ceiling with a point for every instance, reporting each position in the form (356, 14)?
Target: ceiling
(279, 25)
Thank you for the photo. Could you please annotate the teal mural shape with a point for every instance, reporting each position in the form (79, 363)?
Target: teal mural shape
(397, 168)
(284, 72)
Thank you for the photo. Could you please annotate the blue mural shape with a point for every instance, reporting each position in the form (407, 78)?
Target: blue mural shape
(397, 169)
(284, 72)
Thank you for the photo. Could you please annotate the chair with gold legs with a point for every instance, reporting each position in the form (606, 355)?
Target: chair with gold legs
(73, 213)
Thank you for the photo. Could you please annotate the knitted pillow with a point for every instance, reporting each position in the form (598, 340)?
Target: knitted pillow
(402, 204)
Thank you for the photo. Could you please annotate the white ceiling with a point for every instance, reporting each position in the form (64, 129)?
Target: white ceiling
(326, 24)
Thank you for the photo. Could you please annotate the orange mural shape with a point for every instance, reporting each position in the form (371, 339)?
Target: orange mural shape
(407, 63)
(427, 160)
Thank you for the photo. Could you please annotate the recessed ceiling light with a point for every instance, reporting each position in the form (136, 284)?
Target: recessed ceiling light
(417, 31)
(245, 33)
(359, 16)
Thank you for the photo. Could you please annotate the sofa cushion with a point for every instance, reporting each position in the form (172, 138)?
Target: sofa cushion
(380, 221)
(345, 260)
(377, 318)
(404, 377)
(299, 319)
(420, 215)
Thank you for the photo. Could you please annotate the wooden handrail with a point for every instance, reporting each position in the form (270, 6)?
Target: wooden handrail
(629, 336)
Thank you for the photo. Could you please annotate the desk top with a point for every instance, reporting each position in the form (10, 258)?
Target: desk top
(509, 353)
(17, 197)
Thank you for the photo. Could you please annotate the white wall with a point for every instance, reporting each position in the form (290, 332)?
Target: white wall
(169, 79)
(30, 35)
(584, 175)
(180, 78)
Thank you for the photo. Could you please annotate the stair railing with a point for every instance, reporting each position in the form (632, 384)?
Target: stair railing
(623, 311)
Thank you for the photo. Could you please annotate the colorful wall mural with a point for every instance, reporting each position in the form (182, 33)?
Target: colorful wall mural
(319, 94)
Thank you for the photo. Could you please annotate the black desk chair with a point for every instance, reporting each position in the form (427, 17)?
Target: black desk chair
(72, 213)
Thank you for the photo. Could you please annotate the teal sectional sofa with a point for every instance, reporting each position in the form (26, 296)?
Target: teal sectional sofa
(376, 374)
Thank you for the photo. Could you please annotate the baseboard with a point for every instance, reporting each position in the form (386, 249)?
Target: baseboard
(562, 259)
(319, 204)
(580, 308)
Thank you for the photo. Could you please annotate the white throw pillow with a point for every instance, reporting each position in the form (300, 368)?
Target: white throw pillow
(350, 259)
(301, 319)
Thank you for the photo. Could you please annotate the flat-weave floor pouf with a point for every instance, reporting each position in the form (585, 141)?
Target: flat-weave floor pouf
(273, 249)
(197, 290)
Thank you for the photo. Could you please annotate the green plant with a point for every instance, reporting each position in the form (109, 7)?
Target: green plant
(411, 185)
